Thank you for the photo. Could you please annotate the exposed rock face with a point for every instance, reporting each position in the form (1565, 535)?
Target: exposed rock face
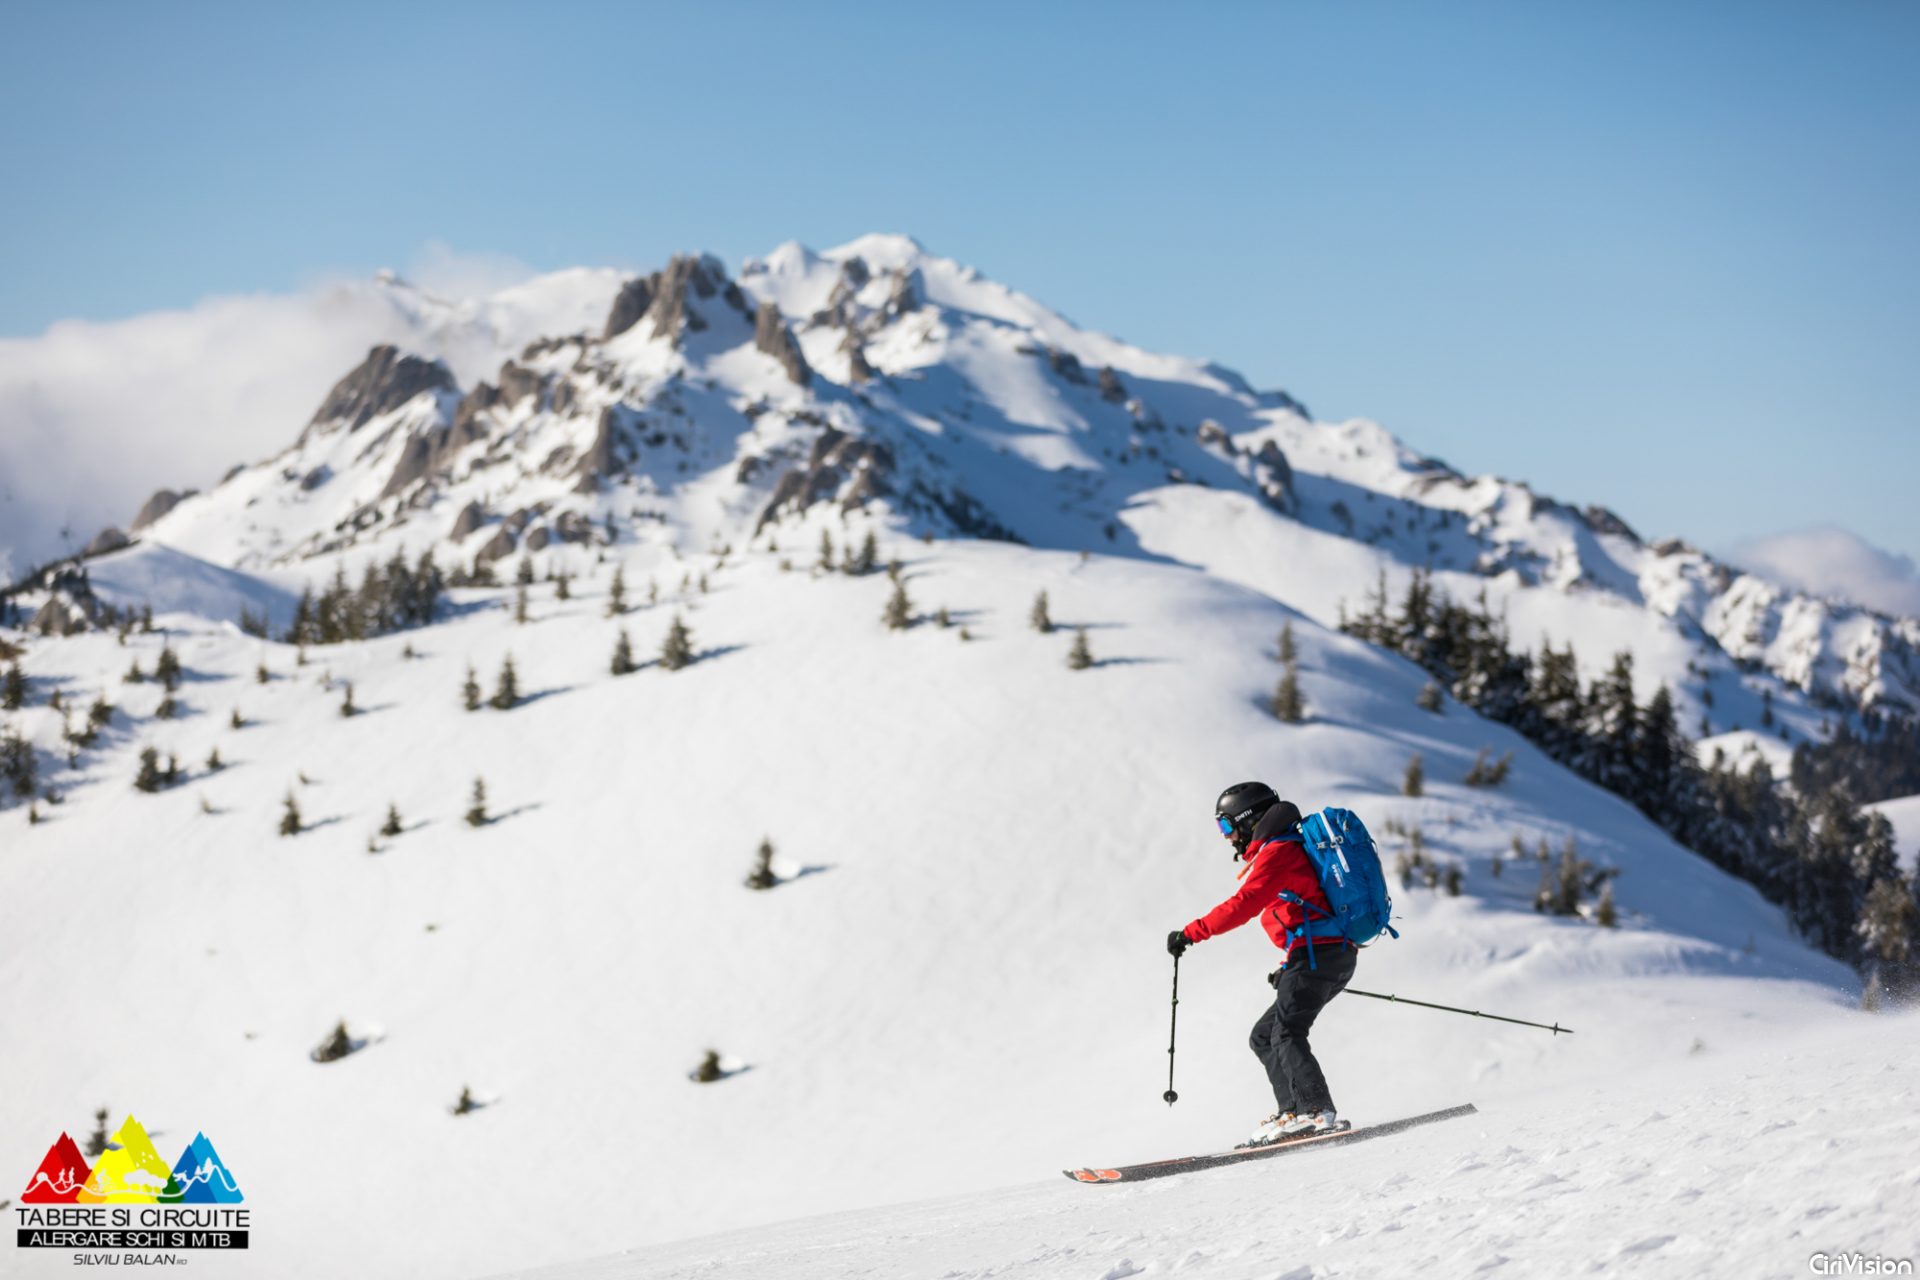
(630, 304)
(517, 383)
(771, 335)
(1212, 433)
(163, 501)
(905, 295)
(56, 618)
(471, 517)
(600, 458)
(498, 547)
(385, 380)
(840, 465)
(108, 539)
(1601, 520)
(1112, 390)
(858, 370)
(669, 311)
(855, 272)
(1274, 475)
(1067, 365)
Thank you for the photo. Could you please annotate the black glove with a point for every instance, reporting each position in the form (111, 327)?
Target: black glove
(1177, 942)
(1273, 979)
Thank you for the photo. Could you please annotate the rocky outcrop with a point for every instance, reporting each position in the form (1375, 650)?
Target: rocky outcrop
(56, 618)
(1274, 476)
(771, 335)
(600, 459)
(1112, 390)
(669, 311)
(498, 547)
(1213, 434)
(163, 501)
(108, 539)
(383, 382)
(632, 302)
(471, 517)
(517, 383)
(858, 370)
(1601, 520)
(1067, 365)
(851, 468)
(905, 295)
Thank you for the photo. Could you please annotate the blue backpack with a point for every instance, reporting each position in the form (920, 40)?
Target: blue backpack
(1348, 866)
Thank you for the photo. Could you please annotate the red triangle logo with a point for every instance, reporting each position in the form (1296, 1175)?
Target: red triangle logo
(60, 1176)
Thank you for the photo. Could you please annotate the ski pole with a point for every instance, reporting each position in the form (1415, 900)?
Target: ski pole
(1556, 1028)
(1172, 1023)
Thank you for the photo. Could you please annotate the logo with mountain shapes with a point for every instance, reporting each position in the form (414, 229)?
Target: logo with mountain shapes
(130, 1171)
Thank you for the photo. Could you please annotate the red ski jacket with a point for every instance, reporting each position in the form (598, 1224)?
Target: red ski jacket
(1273, 867)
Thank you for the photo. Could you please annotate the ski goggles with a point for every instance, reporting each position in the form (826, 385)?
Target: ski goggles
(1225, 825)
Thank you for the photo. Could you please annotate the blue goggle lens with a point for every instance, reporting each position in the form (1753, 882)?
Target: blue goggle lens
(1225, 825)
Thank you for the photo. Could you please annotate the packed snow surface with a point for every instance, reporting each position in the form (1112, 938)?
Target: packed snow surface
(1790, 1151)
(962, 984)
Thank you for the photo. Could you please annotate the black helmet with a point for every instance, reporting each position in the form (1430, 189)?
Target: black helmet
(1239, 807)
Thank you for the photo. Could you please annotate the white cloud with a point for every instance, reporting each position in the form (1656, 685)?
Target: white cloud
(96, 416)
(440, 269)
(1829, 561)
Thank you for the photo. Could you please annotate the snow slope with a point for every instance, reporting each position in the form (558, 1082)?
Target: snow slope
(1744, 1163)
(999, 847)
(984, 849)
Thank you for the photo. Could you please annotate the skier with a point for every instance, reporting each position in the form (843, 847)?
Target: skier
(1279, 885)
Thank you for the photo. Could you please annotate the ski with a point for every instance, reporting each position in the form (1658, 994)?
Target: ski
(1187, 1164)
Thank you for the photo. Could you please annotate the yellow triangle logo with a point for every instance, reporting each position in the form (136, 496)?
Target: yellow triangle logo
(132, 1174)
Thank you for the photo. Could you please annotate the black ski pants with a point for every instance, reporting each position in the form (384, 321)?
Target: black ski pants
(1279, 1040)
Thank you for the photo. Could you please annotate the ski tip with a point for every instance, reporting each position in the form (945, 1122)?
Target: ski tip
(1093, 1175)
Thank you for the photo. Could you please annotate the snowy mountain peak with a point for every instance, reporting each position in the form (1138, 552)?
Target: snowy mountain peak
(878, 381)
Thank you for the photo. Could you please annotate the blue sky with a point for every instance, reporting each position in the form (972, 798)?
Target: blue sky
(1662, 257)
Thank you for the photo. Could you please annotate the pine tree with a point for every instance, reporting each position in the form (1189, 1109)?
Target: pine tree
(1040, 616)
(898, 615)
(465, 1103)
(167, 669)
(336, 1046)
(134, 674)
(523, 576)
(167, 709)
(18, 762)
(866, 559)
(942, 618)
(236, 720)
(1487, 772)
(148, 778)
(477, 804)
(347, 709)
(214, 763)
(1414, 781)
(261, 675)
(825, 563)
(762, 877)
(520, 603)
(1429, 698)
(1766, 708)
(470, 690)
(1080, 657)
(562, 586)
(1285, 649)
(1288, 706)
(617, 593)
(1453, 880)
(290, 816)
(709, 1069)
(13, 692)
(1606, 915)
(506, 687)
(623, 663)
(97, 1141)
(676, 651)
(391, 827)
